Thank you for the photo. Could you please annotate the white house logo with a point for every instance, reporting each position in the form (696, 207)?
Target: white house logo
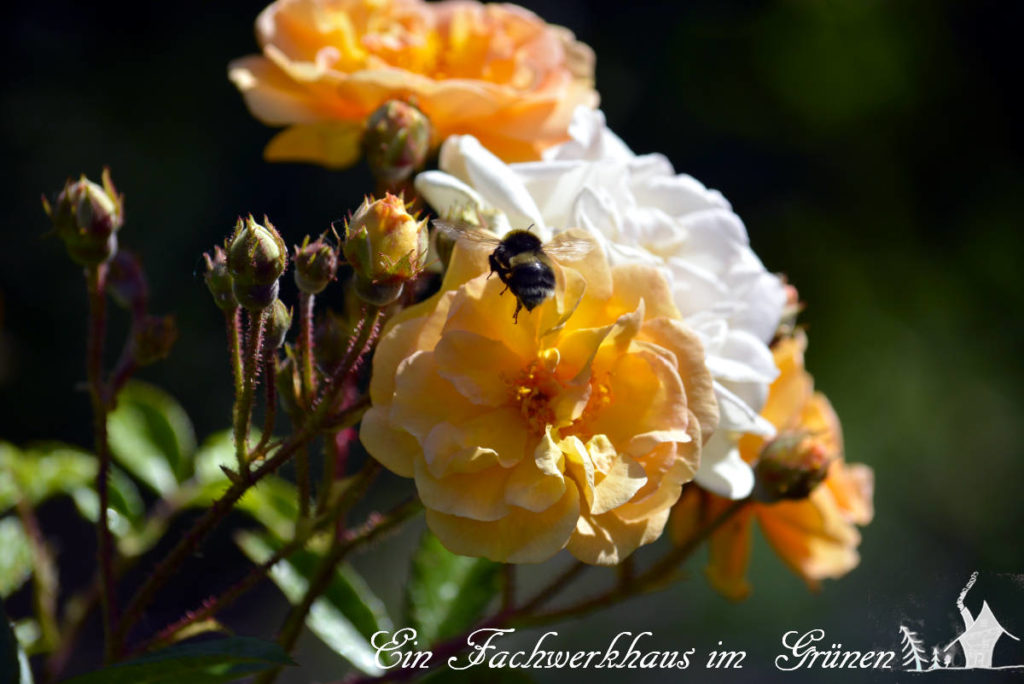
(976, 643)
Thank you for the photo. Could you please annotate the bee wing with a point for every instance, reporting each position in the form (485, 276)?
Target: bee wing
(568, 249)
(467, 232)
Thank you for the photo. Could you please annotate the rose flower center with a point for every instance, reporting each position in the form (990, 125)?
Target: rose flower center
(533, 390)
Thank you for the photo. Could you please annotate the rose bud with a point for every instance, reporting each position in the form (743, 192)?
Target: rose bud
(218, 280)
(126, 281)
(396, 141)
(791, 466)
(256, 258)
(289, 385)
(315, 265)
(386, 246)
(279, 322)
(152, 339)
(333, 333)
(87, 217)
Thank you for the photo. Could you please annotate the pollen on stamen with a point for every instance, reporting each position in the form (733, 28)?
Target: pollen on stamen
(532, 390)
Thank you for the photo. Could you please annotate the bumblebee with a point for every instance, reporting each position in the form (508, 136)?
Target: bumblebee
(521, 260)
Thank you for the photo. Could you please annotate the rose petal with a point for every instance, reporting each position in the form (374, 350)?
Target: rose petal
(520, 537)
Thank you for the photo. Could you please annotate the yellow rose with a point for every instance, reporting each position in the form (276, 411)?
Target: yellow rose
(815, 536)
(575, 428)
(497, 72)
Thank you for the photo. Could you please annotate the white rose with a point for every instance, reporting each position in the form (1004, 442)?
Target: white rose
(640, 210)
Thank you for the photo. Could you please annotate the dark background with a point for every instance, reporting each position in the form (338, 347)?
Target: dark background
(873, 149)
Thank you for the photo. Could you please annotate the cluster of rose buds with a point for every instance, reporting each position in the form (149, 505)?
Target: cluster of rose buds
(384, 245)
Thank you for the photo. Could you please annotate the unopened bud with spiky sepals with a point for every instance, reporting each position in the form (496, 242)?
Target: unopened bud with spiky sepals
(791, 466)
(152, 339)
(315, 265)
(386, 246)
(256, 257)
(278, 324)
(218, 280)
(396, 141)
(86, 217)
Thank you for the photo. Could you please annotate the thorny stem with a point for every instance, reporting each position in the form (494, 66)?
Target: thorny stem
(340, 549)
(79, 607)
(232, 321)
(306, 301)
(270, 414)
(213, 515)
(188, 543)
(522, 616)
(220, 508)
(308, 388)
(339, 545)
(215, 604)
(96, 280)
(363, 338)
(244, 399)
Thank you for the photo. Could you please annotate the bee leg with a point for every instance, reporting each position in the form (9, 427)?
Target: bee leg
(515, 316)
(504, 291)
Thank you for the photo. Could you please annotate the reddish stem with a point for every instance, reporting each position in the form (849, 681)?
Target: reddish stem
(96, 280)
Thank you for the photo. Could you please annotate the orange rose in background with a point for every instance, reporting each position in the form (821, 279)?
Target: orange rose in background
(816, 536)
(574, 428)
(497, 72)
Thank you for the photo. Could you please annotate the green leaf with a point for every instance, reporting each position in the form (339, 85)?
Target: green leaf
(42, 471)
(218, 449)
(152, 436)
(348, 592)
(126, 509)
(447, 593)
(344, 617)
(15, 558)
(207, 662)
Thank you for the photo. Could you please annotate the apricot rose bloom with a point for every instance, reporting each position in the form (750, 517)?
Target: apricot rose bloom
(817, 536)
(495, 71)
(575, 428)
(641, 211)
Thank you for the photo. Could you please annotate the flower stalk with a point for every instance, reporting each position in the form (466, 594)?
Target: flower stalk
(96, 282)
(306, 360)
(244, 400)
(219, 510)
